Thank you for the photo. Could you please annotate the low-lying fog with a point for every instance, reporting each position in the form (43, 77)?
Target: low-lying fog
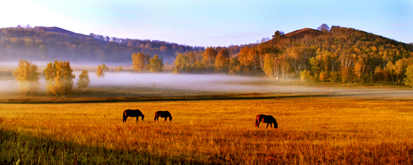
(184, 82)
(193, 82)
(212, 83)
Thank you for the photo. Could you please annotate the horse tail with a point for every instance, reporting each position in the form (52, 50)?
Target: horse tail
(124, 116)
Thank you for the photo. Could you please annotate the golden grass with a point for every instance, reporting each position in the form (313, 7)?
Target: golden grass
(311, 130)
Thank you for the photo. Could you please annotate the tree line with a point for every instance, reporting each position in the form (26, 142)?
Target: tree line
(338, 54)
(59, 74)
(36, 44)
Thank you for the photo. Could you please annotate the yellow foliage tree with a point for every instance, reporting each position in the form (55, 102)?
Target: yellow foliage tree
(27, 75)
(119, 69)
(99, 72)
(83, 81)
(209, 56)
(269, 65)
(139, 62)
(156, 64)
(59, 78)
(222, 61)
(409, 76)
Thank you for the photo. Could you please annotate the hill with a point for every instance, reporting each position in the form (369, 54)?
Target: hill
(303, 32)
(59, 30)
(54, 43)
(338, 54)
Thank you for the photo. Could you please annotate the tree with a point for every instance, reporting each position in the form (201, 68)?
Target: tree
(222, 61)
(409, 76)
(83, 81)
(156, 64)
(59, 78)
(378, 73)
(27, 75)
(323, 28)
(138, 61)
(209, 56)
(99, 72)
(104, 67)
(278, 34)
(119, 69)
(269, 65)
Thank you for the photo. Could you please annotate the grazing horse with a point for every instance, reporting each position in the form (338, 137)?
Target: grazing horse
(132, 113)
(164, 114)
(266, 119)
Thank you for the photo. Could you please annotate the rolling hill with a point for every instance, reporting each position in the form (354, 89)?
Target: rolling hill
(54, 43)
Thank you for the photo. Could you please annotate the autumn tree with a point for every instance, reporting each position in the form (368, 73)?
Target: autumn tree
(83, 81)
(409, 76)
(209, 56)
(378, 73)
(156, 64)
(222, 61)
(27, 76)
(269, 65)
(234, 66)
(139, 62)
(99, 71)
(119, 69)
(59, 77)
(104, 67)
(323, 28)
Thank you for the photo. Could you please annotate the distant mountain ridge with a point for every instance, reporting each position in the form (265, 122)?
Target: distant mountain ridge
(55, 43)
(58, 30)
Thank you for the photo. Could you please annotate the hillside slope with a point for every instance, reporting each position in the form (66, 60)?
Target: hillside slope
(54, 43)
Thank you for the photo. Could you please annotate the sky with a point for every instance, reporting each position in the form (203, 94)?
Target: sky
(210, 22)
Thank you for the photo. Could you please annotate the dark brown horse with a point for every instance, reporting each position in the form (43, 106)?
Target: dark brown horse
(270, 120)
(132, 113)
(164, 114)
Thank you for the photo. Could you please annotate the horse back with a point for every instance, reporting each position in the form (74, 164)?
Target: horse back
(162, 113)
(132, 113)
(268, 119)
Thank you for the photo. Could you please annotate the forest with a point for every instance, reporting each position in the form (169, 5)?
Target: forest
(42, 43)
(336, 54)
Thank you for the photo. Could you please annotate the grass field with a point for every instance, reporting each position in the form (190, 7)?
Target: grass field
(312, 130)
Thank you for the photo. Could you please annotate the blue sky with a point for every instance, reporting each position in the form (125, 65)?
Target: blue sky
(211, 22)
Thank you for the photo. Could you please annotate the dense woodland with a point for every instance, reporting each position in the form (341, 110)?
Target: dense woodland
(40, 44)
(338, 54)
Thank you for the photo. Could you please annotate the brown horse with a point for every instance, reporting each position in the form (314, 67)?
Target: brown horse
(132, 113)
(164, 114)
(266, 119)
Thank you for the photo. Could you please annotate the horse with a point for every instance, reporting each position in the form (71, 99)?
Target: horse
(265, 119)
(132, 113)
(164, 114)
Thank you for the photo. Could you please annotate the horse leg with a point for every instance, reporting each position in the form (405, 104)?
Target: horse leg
(155, 118)
(137, 117)
(124, 118)
(268, 124)
(166, 118)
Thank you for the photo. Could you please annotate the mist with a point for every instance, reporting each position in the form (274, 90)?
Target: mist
(193, 82)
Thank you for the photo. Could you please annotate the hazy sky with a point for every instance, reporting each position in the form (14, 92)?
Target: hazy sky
(210, 22)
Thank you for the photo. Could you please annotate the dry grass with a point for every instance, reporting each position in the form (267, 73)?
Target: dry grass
(311, 130)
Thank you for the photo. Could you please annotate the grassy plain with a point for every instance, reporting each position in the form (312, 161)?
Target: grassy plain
(312, 130)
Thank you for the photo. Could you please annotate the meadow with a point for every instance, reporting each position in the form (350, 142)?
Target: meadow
(312, 130)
